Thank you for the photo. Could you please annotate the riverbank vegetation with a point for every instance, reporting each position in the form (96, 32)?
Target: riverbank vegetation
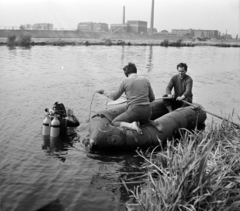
(27, 40)
(199, 172)
(22, 40)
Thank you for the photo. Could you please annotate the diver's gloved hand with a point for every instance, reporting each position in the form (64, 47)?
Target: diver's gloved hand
(101, 91)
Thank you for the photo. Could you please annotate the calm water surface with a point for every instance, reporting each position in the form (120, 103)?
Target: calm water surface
(57, 174)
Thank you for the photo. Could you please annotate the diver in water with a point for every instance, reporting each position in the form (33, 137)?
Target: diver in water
(65, 117)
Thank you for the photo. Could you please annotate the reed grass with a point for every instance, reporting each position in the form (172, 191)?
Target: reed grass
(198, 172)
(177, 43)
(165, 43)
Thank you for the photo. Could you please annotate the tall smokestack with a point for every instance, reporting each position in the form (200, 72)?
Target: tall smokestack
(123, 14)
(239, 22)
(152, 17)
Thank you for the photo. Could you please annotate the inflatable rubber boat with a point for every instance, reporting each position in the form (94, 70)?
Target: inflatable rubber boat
(104, 136)
(57, 120)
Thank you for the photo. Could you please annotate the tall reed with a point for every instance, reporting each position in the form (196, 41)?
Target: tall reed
(200, 172)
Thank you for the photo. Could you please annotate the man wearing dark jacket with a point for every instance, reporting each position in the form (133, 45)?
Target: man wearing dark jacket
(182, 85)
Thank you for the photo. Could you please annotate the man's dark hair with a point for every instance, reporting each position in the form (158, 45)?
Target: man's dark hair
(182, 65)
(130, 68)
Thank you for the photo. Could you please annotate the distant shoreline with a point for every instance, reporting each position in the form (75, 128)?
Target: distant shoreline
(62, 38)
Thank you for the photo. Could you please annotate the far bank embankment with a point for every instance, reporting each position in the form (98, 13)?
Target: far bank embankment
(61, 38)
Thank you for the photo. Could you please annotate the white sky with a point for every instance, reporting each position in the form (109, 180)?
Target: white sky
(222, 15)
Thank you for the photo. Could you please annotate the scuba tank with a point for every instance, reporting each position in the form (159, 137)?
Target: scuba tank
(58, 120)
(55, 127)
(46, 126)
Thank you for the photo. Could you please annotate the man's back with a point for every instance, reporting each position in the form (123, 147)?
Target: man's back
(138, 90)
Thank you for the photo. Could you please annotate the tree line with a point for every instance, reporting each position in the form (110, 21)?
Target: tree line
(37, 26)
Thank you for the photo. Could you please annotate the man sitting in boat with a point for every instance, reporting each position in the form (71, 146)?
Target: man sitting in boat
(182, 84)
(139, 94)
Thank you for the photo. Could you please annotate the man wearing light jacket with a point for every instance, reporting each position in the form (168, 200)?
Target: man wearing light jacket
(182, 85)
(139, 95)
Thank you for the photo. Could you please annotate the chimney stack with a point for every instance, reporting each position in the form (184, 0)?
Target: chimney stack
(123, 14)
(152, 17)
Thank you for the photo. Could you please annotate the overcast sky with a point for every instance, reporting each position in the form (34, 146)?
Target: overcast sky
(222, 15)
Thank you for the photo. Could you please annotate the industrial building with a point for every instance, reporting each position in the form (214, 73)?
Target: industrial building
(206, 33)
(118, 28)
(138, 27)
(196, 33)
(133, 26)
(91, 26)
(183, 32)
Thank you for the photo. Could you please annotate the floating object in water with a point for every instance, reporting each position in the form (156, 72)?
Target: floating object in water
(46, 126)
(58, 120)
(164, 125)
(55, 127)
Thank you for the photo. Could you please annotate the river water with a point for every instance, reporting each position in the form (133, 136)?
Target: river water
(43, 174)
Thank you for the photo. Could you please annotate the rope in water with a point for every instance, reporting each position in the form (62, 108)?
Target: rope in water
(106, 103)
(91, 106)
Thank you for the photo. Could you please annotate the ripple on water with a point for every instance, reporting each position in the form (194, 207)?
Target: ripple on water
(41, 173)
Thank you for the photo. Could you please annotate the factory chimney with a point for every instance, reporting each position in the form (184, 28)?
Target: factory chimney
(123, 14)
(152, 17)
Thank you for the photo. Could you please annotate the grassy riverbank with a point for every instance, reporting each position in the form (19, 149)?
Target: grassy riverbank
(62, 38)
(200, 172)
(127, 42)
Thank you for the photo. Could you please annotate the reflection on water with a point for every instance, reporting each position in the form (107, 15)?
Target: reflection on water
(149, 65)
(59, 173)
(122, 56)
(57, 147)
(52, 206)
(114, 169)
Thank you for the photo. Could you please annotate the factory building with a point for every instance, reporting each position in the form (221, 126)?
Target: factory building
(134, 26)
(138, 27)
(86, 26)
(118, 28)
(183, 32)
(196, 33)
(206, 33)
(91, 26)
